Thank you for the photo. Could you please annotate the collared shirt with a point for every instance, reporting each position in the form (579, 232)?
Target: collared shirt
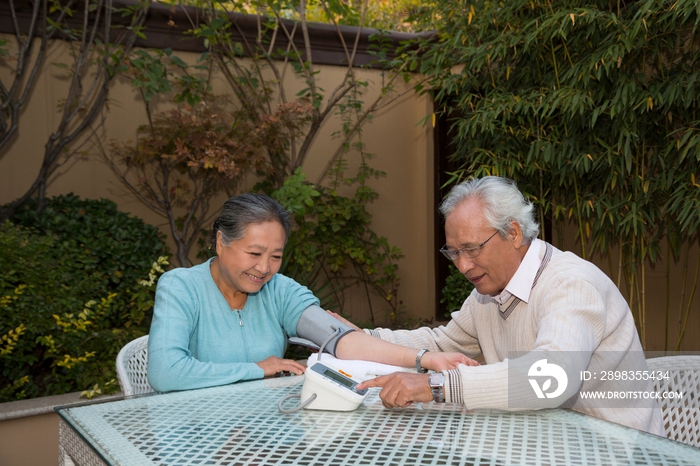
(522, 281)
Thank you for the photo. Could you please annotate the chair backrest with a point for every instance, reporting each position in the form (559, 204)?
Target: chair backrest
(681, 415)
(132, 364)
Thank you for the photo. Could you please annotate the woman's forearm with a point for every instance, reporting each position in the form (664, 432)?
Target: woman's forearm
(359, 345)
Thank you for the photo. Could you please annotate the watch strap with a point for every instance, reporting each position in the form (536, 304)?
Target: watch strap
(419, 356)
(437, 386)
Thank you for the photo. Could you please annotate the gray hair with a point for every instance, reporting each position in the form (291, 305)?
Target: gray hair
(245, 209)
(502, 202)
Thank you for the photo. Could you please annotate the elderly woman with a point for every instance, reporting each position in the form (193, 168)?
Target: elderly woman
(229, 318)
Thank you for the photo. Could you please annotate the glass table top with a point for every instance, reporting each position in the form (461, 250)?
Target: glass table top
(240, 424)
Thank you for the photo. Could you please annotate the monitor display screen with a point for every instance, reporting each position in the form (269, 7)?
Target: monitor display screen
(338, 378)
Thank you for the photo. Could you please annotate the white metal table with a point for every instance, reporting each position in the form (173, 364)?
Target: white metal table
(240, 424)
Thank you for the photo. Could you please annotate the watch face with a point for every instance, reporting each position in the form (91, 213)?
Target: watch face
(437, 382)
(437, 379)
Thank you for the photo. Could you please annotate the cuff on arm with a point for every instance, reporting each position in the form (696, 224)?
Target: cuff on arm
(317, 325)
(453, 387)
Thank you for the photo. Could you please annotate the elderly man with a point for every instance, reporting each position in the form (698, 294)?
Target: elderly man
(550, 325)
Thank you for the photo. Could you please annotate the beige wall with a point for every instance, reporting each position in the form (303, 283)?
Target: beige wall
(664, 290)
(403, 150)
(403, 211)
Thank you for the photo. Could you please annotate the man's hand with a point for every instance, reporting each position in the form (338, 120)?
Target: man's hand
(274, 365)
(400, 389)
(438, 361)
(344, 320)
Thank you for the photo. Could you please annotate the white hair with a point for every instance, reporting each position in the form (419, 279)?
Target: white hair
(502, 202)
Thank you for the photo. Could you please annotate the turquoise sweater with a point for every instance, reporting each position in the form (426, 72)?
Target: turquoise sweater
(197, 341)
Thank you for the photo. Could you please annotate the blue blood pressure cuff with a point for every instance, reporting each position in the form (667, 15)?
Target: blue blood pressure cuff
(318, 326)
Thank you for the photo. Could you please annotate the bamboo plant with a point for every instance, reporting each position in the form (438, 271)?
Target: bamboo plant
(591, 107)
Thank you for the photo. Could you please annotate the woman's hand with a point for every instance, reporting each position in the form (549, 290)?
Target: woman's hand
(344, 320)
(438, 361)
(274, 365)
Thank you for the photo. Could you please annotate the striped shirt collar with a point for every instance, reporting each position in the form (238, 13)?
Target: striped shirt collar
(522, 282)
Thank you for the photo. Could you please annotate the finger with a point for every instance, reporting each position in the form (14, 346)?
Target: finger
(389, 395)
(467, 361)
(293, 366)
(456, 362)
(385, 402)
(287, 365)
(343, 320)
(394, 399)
(376, 382)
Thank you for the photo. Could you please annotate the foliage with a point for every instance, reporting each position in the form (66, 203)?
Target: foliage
(76, 286)
(119, 249)
(190, 154)
(255, 72)
(332, 237)
(590, 107)
(457, 289)
(96, 51)
(277, 129)
(395, 15)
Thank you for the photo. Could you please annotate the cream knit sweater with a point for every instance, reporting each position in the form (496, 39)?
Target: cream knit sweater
(575, 317)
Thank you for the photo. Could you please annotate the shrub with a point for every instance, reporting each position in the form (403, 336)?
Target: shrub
(333, 244)
(457, 289)
(77, 284)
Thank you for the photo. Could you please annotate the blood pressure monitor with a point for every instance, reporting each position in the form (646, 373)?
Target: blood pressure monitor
(334, 389)
(326, 389)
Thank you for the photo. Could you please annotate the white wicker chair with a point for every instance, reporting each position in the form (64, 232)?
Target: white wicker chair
(681, 415)
(132, 362)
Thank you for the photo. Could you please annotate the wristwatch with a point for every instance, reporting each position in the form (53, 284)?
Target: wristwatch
(419, 356)
(437, 386)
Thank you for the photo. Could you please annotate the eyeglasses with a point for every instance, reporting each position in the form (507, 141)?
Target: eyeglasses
(470, 251)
